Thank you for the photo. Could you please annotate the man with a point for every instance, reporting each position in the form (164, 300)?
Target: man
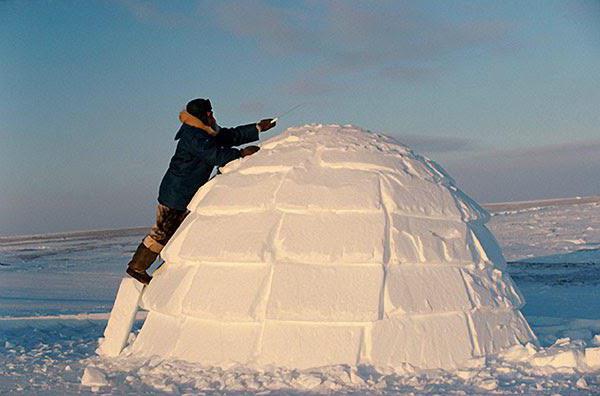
(202, 146)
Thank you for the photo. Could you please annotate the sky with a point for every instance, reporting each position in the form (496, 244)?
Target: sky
(504, 95)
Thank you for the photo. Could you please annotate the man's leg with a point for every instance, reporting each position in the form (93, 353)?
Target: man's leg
(167, 222)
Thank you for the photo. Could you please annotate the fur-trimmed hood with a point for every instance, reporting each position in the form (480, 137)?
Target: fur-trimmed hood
(188, 119)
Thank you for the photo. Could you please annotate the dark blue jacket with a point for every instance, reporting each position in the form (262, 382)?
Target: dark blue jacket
(196, 156)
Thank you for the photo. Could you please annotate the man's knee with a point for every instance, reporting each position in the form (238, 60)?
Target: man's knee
(152, 244)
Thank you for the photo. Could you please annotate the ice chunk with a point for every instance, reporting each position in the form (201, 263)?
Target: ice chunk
(564, 358)
(581, 383)
(93, 377)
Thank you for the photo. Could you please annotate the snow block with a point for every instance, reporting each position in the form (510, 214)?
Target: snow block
(285, 141)
(423, 341)
(491, 288)
(243, 237)
(495, 330)
(237, 192)
(305, 292)
(171, 251)
(121, 318)
(425, 289)
(168, 288)
(429, 241)
(158, 336)
(415, 197)
(592, 358)
(331, 189)
(213, 343)
(270, 160)
(332, 238)
(227, 292)
(485, 247)
(364, 160)
(303, 345)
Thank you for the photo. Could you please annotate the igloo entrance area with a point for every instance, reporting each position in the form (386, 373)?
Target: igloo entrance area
(332, 245)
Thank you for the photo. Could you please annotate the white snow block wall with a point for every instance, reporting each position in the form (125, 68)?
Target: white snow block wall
(332, 245)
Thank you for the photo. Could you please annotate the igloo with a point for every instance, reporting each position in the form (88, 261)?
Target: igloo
(332, 245)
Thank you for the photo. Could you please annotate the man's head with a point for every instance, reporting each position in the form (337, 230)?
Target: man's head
(202, 109)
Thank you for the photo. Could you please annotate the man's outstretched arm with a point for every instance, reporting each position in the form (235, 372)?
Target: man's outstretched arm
(222, 155)
(243, 134)
(237, 136)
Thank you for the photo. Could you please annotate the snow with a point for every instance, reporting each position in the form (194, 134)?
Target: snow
(56, 292)
(546, 264)
(352, 250)
(555, 234)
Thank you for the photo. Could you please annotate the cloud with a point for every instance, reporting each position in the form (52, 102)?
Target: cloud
(438, 144)
(151, 13)
(551, 171)
(410, 73)
(252, 107)
(578, 150)
(275, 29)
(397, 39)
(311, 86)
(313, 82)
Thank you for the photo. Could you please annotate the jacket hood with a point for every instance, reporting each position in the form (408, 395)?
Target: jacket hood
(190, 120)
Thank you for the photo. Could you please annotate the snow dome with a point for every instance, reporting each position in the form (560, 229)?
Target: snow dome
(332, 245)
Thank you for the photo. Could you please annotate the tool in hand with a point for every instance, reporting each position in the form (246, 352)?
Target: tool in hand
(287, 112)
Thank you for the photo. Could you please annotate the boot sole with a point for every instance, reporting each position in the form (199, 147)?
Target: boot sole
(140, 277)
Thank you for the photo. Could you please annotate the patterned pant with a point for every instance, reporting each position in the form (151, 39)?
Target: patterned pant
(167, 222)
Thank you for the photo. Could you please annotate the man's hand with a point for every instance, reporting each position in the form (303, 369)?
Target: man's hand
(249, 150)
(266, 124)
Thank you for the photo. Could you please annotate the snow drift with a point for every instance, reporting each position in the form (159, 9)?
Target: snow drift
(332, 245)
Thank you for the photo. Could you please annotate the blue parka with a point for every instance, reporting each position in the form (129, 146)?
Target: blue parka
(196, 155)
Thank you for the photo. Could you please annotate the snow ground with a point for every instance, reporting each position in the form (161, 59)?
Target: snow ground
(55, 288)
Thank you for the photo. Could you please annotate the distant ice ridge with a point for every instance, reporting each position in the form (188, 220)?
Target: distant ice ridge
(332, 245)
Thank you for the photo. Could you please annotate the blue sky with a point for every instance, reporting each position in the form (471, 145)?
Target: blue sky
(504, 95)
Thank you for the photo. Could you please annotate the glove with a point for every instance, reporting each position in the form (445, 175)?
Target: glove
(249, 150)
(266, 124)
